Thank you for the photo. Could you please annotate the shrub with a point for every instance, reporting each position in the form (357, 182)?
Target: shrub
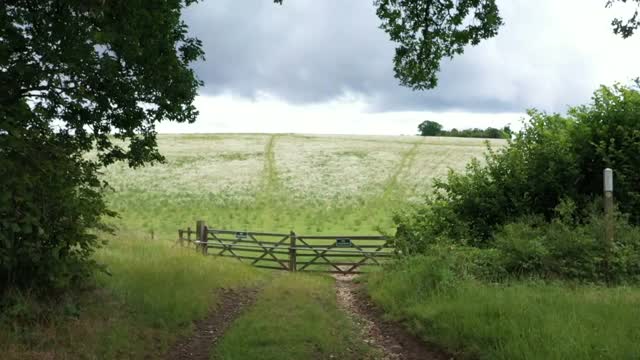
(48, 207)
(552, 159)
(568, 250)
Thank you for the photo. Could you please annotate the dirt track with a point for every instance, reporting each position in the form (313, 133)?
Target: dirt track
(208, 330)
(393, 341)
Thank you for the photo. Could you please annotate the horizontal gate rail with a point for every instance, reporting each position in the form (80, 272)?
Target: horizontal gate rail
(341, 254)
(353, 237)
(337, 250)
(215, 231)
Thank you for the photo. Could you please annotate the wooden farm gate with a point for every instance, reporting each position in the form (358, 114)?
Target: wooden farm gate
(293, 252)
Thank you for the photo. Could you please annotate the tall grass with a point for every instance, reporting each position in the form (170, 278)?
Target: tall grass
(522, 320)
(166, 285)
(154, 293)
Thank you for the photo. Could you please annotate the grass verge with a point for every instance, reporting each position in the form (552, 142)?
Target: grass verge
(521, 320)
(296, 317)
(153, 295)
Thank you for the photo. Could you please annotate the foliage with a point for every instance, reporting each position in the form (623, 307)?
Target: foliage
(428, 31)
(77, 76)
(552, 159)
(620, 26)
(488, 133)
(429, 128)
(563, 248)
(432, 128)
(608, 135)
(566, 250)
(536, 200)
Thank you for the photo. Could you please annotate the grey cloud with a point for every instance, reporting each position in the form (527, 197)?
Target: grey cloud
(314, 51)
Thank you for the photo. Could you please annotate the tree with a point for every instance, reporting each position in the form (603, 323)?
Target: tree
(427, 31)
(78, 76)
(507, 132)
(609, 136)
(429, 128)
(625, 28)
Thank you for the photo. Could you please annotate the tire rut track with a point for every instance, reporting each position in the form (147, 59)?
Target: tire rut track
(445, 158)
(270, 174)
(209, 330)
(405, 163)
(391, 340)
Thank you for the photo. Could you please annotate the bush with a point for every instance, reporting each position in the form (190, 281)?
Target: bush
(48, 207)
(608, 135)
(552, 159)
(565, 249)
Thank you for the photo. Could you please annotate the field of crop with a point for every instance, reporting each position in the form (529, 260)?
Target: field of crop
(309, 183)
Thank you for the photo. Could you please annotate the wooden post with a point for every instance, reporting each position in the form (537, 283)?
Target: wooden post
(199, 226)
(189, 235)
(608, 206)
(205, 239)
(292, 252)
(608, 218)
(180, 237)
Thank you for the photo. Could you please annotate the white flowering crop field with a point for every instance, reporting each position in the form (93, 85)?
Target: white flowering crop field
(312, 184)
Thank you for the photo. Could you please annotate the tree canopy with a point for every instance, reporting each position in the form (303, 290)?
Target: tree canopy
(429, 128)
(427, 31)
(80, 76)
(432, 128)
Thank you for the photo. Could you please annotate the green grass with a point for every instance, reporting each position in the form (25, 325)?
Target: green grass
(295, 318)
(167, 286)
(522, 320)
(154, 293)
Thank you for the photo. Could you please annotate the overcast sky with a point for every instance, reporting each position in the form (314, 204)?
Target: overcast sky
(325, 67)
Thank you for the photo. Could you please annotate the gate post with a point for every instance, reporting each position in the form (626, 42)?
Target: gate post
(292, 252)
(201, 235)
(205, 241)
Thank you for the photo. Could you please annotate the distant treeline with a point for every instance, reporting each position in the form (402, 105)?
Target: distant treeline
(432, 128)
